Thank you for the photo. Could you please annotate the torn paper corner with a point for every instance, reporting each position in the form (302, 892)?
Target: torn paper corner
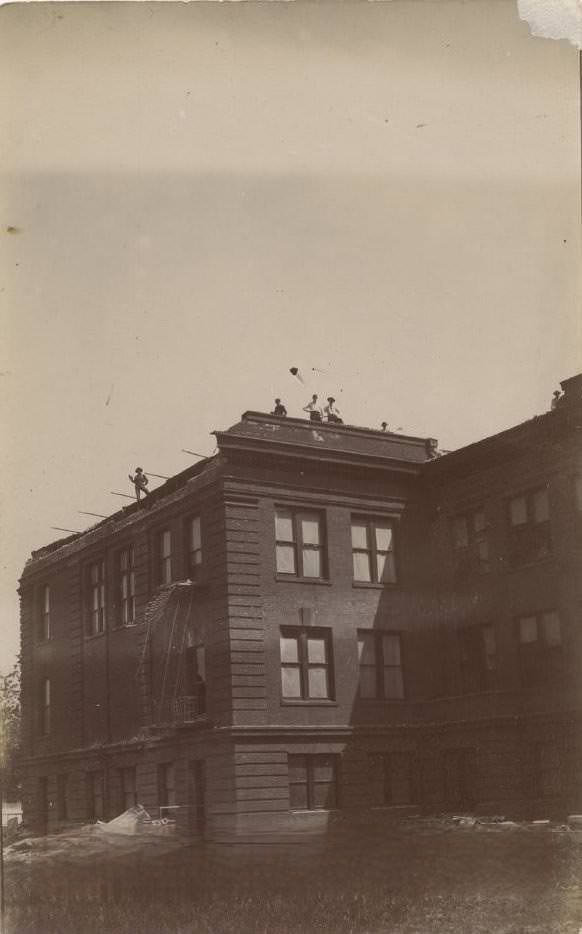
(553, 19)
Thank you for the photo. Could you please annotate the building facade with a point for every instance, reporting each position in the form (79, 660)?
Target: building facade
(320, 622)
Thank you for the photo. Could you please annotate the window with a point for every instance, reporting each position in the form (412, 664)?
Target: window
(380, 658)
(470, 542)
(529, 522)
(392, 777)
(306, 670)
(44, 707)
(195, 681)
(312, 782)
(96, 795)
(165, 557)
(96, 608)
(62, 809)
(478, 658)
(166, 785)
(373, 551)
(194, 549)
(126, 579)
(128, 789)
(299, 543)
(44, 616)
(540, 647)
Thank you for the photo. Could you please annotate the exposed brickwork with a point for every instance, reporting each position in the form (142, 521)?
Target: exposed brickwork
(504, 746)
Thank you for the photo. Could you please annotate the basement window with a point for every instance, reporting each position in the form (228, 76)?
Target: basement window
(312, 782)
(392, 777)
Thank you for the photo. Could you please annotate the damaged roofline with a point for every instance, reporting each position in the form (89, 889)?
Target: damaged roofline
(135, 511)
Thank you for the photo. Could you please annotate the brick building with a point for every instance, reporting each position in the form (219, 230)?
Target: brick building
(318, 621)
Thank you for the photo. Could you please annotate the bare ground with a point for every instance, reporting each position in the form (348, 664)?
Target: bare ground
(420, 877)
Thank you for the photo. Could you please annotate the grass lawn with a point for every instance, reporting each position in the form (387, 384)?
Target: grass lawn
(417, 878)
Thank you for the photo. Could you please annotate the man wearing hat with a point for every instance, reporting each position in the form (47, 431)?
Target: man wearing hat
(331, 413)
(140, 482)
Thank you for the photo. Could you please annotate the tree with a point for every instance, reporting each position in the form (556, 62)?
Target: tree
(10, 732)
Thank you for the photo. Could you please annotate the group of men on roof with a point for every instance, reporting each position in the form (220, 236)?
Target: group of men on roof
(314, 410)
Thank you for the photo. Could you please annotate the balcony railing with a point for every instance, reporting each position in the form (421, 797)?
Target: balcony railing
(184, 709)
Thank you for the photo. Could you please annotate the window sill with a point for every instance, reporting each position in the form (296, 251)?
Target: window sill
(292, 579)
(381, 701)
(307, 702)
(94, 635)
(121, 626)
(547, 559)
(372, 585)
(313, 810)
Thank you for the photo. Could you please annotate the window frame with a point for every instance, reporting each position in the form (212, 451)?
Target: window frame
(548, 661)
(486, 675)
(196, 691)
(380, 666)
(44, 710)
(96, 616)
(372, 522)
(94, 777)
(122, 600)
(194, 569)
(124, 790)
(62, 796)
(44, 623)
(311, 761)
(385, 759)
(522, 536)
(301, 634)
(297, 514)
(164, 561)
(468, 556)
(166, 790)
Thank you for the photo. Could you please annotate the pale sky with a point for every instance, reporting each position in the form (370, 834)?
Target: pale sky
(204, 195)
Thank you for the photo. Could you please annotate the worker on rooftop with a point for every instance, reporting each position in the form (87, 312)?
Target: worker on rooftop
(140, 482)
(556, 399)
(331, 413)
(314, 409)
(279, 409)
(384, 426)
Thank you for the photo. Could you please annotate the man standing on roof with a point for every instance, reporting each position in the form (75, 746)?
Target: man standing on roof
(331, 413)
(279, 409)
(140, 482)
(315, 413)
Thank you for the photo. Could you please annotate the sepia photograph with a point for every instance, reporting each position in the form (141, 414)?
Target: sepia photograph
(291, 467)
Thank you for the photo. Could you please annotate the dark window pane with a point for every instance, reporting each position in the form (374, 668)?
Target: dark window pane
(298, 797)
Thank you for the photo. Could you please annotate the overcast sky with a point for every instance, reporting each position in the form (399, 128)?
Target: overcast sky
(196, 197)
